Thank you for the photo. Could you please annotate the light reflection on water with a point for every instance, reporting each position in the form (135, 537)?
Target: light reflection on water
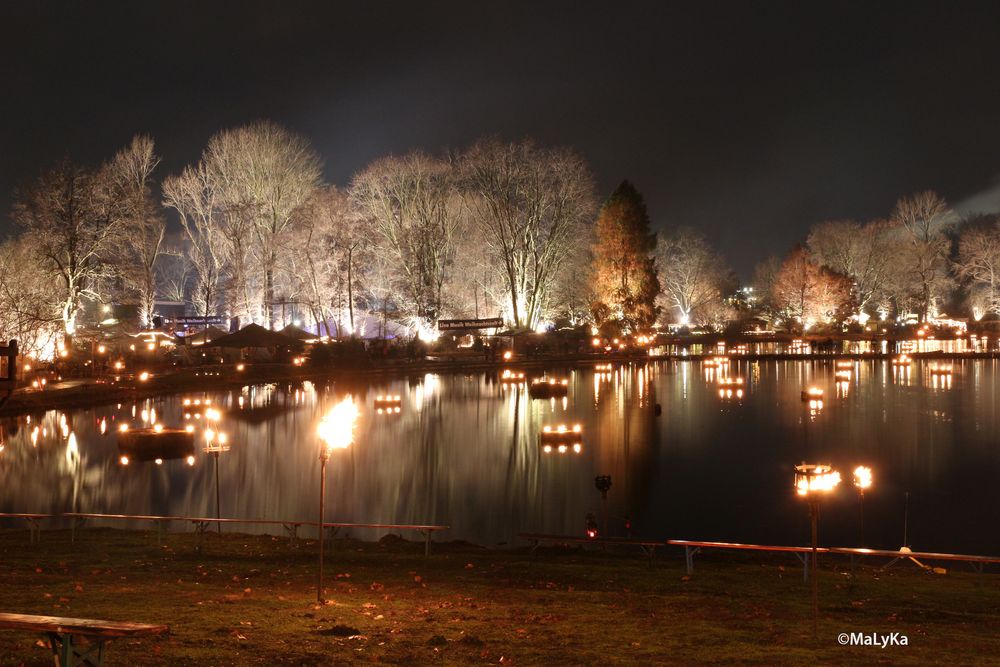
(464, 451)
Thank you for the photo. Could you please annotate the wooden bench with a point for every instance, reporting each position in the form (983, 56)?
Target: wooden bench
(691, 549)
(34, 530)
(648, 547)
(977, 562)
(63, 635)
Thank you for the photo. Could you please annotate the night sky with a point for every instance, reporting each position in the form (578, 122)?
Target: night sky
(750, 121)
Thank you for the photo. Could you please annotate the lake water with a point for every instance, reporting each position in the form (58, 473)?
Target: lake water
(464, 451)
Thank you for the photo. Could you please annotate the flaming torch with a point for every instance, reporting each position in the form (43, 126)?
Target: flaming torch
(336, 431)
(862, 481)
(812, 482)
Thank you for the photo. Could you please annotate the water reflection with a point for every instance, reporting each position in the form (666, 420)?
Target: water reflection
(465, 450)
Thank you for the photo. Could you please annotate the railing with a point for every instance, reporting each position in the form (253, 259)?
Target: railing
(201, 524)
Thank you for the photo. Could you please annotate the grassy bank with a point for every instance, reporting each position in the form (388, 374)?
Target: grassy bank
(252, 600)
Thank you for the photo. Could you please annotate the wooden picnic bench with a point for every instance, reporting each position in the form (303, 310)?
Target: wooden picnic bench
(648, 547)
(63, 635)
(34, 530)
(692, 548)
(977, 562)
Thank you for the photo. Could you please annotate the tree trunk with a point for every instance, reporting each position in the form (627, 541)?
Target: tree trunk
(350, 286)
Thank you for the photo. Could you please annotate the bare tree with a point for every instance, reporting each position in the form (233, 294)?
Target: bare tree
(140, 243)
(532, 207)
(71, 216)
(193, 195)
(921, 222)
(263, 173)
(979, 263)
(806, 293)
(174, 271)
(379, 293)
(692, 275)
(29, 308)
(414, 211)
(856, 251)
(331, 249)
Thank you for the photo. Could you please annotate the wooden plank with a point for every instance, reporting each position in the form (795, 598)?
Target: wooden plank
(888, 553)
(748, 547)
(79, 626)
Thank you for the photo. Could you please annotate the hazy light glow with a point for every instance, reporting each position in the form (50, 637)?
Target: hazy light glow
(336, 429)
(863, 477)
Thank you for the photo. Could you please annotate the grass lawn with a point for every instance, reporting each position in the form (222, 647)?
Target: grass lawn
(247, 599)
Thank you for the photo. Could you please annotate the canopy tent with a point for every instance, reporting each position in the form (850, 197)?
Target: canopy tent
(254, 335)
(204, 336)
(295, 332)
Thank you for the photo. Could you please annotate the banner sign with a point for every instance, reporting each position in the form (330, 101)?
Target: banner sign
(486, 323)
(199, 321)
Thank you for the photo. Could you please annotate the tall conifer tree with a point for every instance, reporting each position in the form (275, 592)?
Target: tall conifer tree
(625, 281)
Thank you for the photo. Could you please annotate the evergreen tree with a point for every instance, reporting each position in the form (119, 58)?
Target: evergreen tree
(625, 281)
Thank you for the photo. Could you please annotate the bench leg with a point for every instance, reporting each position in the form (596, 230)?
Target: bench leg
(427, 542)
(200, 527)
(67, 653)
(804, 557)
(77, 523)
(689, 554)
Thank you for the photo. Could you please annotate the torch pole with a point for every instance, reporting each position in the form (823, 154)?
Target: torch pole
(861, 503)
(218, 504)
(814, 519)
(322, 500)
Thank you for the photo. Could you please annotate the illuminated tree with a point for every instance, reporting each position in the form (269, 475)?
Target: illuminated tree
(262, 174)
(29, 309)
(858, 251)
(624, 273)
(692, 275)
(979, 264)
(331, 249)
(71, 217)
(139, 245)
(805, 293)
(193, 195)
(531, 207)
(414, 210)
(921, 279)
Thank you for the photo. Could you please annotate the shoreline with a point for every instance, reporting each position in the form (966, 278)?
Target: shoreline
(246, 599)
(95, 393)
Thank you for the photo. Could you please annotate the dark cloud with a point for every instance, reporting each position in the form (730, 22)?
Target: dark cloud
(749, 121)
